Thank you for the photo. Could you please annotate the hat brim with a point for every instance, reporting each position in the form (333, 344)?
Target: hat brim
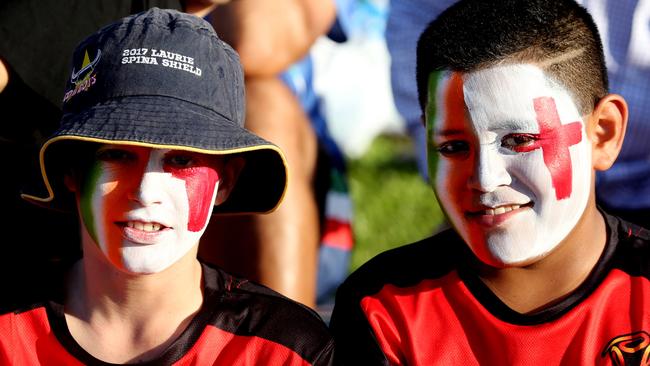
(165, 123)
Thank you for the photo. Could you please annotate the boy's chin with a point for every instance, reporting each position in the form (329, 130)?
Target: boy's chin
(504, 256)
(143, 267)
(515, 263)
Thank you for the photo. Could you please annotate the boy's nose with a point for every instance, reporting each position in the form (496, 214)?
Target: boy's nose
(489, 170)
(150, 188)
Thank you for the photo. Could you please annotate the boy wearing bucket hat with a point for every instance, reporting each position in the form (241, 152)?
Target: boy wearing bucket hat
(150, 143)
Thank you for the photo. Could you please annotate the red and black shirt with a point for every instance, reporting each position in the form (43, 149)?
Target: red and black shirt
(422, 304)
(239, 323)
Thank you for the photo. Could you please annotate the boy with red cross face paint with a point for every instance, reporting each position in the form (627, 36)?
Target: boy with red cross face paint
(518, 118)
(151, 143)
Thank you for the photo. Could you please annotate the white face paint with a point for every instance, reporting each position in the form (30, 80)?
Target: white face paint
(514, 169)
(147, 208)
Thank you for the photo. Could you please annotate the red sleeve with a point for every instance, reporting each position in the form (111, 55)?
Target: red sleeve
(6, 338)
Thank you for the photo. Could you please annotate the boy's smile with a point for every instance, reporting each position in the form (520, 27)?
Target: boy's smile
(514, 168)
(143, 232)
(146, 208)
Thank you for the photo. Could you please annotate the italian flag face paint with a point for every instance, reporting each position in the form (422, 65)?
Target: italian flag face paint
(146, 208)
(514, 165)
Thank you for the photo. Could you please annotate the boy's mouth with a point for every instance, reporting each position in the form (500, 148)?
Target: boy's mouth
(145, 226)
(499, 210)
(143, 232)
(495, 216)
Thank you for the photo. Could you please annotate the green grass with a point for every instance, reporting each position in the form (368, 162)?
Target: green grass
(393, 205)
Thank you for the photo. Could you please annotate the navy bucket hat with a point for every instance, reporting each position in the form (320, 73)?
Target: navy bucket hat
(160, 79)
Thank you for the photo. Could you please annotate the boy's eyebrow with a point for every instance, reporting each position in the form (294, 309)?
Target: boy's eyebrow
(512, 124)
(448, 132)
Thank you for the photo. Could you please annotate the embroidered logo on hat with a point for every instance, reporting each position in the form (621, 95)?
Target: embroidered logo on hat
(85, 77)
(160, 57)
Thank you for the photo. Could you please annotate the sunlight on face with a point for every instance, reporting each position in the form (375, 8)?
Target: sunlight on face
(146, 208)
(513, 170)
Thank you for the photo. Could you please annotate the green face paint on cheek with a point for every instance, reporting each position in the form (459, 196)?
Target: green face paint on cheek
(88, 187)
(431, 111)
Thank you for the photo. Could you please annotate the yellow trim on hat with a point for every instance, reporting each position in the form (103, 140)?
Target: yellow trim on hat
(50, 191)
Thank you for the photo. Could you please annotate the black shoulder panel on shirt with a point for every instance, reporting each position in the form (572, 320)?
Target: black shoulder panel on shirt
(408, 265)
(249, 309)
(633, 254)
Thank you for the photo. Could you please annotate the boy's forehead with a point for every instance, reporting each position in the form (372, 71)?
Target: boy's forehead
(497, 98)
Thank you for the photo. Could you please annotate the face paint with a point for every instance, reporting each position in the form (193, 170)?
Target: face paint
(200, 184)
(514, 171)
(146, 208)
(444, 105)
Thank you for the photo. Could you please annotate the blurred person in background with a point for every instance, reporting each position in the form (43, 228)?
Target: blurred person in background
(406, 21)
(624, 189)
(311, 229)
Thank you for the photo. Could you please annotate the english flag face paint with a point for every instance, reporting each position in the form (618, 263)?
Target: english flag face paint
(146, 208)
(513, 168)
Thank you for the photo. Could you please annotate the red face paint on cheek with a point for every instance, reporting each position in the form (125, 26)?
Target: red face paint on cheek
(200, 182)
(555, 139)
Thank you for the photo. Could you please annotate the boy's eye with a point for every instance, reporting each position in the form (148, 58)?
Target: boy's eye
(454, 148)
(518, 141)
(115, 155)
(180, 160)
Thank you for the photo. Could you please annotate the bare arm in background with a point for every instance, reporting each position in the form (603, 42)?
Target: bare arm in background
(201, 8)
(4, 76)
(270, 35)
(279, 249)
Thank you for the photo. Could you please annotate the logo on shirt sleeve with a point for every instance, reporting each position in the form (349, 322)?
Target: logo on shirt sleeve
(629, 350)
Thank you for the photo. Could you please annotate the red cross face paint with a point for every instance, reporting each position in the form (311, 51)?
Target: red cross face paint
(146, 208)
(514, 166)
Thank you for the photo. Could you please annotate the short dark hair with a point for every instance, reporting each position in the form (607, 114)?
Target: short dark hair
(558, 35)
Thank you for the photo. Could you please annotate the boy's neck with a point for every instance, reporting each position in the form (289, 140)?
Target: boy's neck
(555, 276)
(119, 317)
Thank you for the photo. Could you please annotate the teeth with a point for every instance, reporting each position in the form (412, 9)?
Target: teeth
(500, 210)
(143, 226)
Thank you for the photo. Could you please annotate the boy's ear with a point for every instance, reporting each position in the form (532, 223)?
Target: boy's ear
(231, 169)
(71, 182)
(606, 129)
